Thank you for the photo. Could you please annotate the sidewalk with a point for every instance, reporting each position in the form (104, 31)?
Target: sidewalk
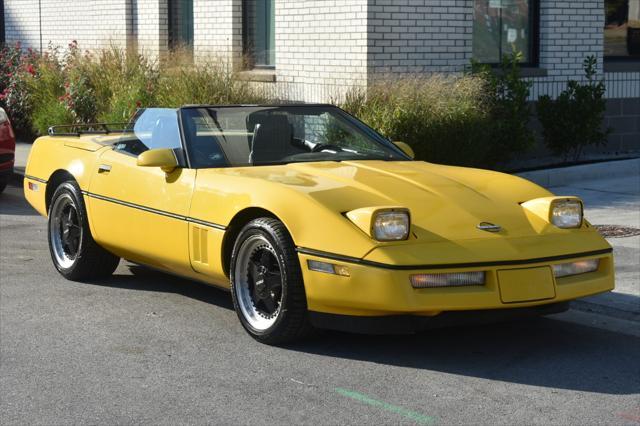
(614, 201)
(611, 193)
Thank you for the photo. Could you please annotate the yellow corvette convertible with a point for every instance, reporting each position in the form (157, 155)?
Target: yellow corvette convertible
(311, 219)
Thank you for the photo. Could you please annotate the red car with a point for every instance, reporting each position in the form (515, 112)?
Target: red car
(7, 149)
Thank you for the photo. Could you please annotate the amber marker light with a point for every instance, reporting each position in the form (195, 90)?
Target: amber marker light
(328, 268)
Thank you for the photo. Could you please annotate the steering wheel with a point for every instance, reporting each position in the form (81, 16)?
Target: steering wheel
(211, 157)
(319, 147)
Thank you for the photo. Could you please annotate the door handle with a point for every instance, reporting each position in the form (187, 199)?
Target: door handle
(104, 168)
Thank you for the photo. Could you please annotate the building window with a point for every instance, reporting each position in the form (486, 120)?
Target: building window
(181, 24)
(2, 23)
(259, 20)
(622, 29)
(501, 27)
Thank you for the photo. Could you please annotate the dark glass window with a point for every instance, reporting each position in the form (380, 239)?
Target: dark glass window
(259, 20)
(181, 24)
(622, 28)
(501, 27)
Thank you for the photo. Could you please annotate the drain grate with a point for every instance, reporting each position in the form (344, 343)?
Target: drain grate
(617, 231)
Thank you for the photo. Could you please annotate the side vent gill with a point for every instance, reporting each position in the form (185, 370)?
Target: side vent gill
(199, 241)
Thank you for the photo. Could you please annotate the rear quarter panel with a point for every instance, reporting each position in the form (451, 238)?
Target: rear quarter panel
(50, 154)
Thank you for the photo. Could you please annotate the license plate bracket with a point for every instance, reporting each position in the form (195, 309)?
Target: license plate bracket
(526, 284)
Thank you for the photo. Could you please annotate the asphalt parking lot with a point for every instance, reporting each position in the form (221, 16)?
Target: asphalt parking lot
(144, 347)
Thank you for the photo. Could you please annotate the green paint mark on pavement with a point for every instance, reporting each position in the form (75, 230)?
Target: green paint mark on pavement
(413, 415)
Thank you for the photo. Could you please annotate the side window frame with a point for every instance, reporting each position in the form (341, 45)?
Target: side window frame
(180, 152)
(186, 149)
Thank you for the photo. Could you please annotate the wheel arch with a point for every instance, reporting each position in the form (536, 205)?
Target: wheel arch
(57, 178)
(235, 226)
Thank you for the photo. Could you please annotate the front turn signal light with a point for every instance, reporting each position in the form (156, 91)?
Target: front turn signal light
(457, 279)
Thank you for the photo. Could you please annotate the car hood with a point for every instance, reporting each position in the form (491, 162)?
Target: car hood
(445, 202)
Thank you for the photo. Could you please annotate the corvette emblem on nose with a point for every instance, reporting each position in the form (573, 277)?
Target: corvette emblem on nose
(489, 227)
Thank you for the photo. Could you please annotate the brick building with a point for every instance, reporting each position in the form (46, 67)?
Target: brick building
(312, 50)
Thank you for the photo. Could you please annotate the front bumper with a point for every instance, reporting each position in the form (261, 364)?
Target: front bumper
(372, 291)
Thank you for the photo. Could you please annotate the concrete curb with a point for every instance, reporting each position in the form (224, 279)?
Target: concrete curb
(562, 176)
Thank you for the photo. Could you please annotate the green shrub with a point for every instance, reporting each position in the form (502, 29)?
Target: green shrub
(126, 81)
(47, 91)
(479, 120)
(509, 133)
(472, 120)
(181, 82)
(574, 120)
(440, 117)
(71, 86)
(50, 113)
(16, 68)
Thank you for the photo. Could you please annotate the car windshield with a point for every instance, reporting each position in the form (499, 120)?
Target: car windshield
(266, 135)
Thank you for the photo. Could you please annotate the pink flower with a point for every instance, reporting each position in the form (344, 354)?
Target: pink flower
(31, 70)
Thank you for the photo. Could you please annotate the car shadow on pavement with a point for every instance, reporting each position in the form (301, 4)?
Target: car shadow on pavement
(545, 352)
(12, 203)
(613, 303)
(147, 279)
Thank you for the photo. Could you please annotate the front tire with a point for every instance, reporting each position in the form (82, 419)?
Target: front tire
(73, 250)
(266, 283)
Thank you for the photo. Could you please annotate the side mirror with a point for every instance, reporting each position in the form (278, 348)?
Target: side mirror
(161, 157)
(406, 149)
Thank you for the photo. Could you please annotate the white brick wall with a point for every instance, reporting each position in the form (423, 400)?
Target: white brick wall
(93, 23)
(218, 29)
(419, 36)
(569, 32)
(324, 47)
(321, 47)
(151, 24)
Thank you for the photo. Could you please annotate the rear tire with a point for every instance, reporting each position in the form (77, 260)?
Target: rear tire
(73, 250)
(266, 283)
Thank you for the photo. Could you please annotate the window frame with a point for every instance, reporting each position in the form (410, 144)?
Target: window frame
(180, 151)
(246, 51)
(174, 41)
(2, 30)
(357, 123)
(616, 59)
(534, 54)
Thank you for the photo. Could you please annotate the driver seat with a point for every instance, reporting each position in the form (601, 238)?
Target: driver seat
(272, 137)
